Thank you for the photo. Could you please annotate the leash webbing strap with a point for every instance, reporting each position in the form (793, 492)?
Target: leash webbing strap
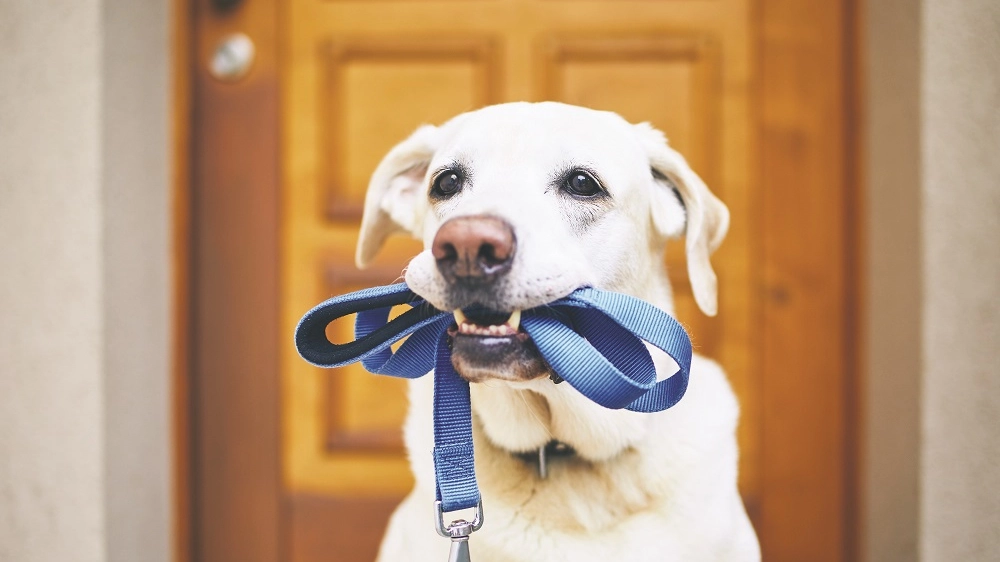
(592, 339)
(454, 463)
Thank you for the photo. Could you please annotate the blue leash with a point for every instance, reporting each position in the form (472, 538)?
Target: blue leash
(591, 338)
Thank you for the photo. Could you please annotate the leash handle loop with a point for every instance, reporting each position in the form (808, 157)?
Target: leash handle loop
(374, 333)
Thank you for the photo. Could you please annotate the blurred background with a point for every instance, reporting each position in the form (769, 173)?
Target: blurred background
(181, 179)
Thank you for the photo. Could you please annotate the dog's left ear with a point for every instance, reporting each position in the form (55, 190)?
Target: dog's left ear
(394, 199)
(698, 214)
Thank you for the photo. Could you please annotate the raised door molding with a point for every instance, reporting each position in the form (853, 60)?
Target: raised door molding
(376, 91)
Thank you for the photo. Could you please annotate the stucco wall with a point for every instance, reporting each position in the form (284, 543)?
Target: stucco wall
(136, 207)
(51, 332)
(932, 396)
(84, 447)
(960, 458)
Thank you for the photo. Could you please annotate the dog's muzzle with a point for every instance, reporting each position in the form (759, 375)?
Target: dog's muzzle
(473, 254)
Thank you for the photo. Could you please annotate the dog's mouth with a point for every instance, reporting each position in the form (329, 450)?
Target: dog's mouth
(483, 322)
(489, 344)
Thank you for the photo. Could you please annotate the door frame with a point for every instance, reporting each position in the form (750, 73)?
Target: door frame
(229, 502)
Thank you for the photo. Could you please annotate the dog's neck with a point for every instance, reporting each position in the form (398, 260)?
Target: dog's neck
(608, 458)
(521, 417)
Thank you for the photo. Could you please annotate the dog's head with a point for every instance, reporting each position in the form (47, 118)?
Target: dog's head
(519, 204)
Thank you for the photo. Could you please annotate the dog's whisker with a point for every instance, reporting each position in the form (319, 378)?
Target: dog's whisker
(531, 411)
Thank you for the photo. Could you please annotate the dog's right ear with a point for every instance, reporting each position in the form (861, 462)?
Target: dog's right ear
(394, 202)
(683, 204)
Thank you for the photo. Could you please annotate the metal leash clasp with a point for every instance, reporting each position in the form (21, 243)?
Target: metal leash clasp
(458, 531)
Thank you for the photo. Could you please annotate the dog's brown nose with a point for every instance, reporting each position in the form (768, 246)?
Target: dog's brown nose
(476, 248)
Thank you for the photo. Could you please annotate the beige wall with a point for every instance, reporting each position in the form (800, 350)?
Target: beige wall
(960, 458)
(933, 397)
(136, 216)
(51, 332)
(84, 458)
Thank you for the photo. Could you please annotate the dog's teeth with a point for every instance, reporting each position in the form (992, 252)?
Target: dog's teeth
(508, 328)
(515, 320)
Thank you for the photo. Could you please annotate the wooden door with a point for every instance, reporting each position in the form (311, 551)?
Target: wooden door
(302, 464)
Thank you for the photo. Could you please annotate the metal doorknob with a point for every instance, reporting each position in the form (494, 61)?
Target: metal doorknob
(232, 58)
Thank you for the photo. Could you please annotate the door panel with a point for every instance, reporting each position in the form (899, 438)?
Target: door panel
(362, 75)
(375, 93)
(291, 462)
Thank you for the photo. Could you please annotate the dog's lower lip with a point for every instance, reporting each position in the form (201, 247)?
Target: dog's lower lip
(480, 358)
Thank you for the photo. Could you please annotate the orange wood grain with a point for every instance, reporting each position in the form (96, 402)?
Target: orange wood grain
(237, 504)
(805, 252)
(855, 304)
(180, 388)
(324, 529)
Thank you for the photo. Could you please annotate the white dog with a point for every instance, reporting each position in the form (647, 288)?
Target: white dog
(518, 205)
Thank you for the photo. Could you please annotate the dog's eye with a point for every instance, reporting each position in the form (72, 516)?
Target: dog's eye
(447, 183)
(582, 184)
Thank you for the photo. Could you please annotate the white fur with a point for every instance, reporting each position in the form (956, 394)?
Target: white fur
(647, 486)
